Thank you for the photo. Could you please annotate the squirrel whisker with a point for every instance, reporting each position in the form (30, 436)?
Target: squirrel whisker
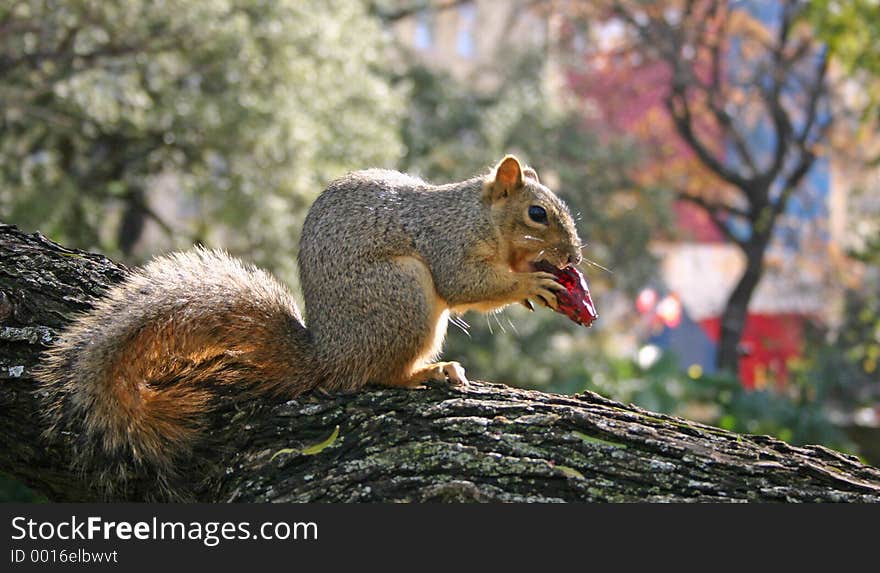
(512, 326)
(498, 321)
(595, 264)
(461, 324)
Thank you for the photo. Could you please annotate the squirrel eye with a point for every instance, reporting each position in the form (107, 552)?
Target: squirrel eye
(537, 214)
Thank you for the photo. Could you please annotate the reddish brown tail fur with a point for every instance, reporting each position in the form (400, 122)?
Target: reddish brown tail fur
(134, 378)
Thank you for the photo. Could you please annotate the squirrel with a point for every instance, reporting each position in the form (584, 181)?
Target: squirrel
(384, 259)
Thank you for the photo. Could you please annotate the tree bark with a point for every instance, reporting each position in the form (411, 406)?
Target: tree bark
(487, 442)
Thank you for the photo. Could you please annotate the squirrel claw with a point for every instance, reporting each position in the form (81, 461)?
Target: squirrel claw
(455, 374)
(541, 287)
(548, 301)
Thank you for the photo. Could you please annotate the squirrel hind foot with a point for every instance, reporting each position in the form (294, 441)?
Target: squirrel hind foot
(450, 372)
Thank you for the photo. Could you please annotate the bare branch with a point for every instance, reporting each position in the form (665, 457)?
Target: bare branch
(772, 97)
(669, 44)
(793, 181)
(714, 91)
(729, 129)
(818, 90)
(679, 110)
(715, 211)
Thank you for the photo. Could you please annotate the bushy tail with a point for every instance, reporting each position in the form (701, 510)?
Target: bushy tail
(131, 381)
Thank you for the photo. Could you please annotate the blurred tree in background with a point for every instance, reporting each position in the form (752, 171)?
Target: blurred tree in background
(243, 109)
(236, 111)
(743, 101)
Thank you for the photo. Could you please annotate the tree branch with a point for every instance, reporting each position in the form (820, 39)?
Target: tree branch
(488, 442)
(714, 90)
(714, 211)
(793, 181)
(679, 109)
(781, 122)
(815, 95)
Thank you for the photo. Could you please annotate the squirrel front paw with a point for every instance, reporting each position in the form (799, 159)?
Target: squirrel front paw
(542, 287)
(454, 373)
(451, 372)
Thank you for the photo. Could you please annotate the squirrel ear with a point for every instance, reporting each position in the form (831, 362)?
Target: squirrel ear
(507, 176)
(531, 174)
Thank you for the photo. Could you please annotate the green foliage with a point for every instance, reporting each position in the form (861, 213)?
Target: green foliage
(796, 412)
(852, 357)
(851, 28)
(247, 107)
(443, 130)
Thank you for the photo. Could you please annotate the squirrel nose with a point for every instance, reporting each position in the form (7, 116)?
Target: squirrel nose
(574, 259)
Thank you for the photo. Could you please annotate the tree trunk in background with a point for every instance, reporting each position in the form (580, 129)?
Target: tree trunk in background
(488, 442)
(134, 218)
(733, 319)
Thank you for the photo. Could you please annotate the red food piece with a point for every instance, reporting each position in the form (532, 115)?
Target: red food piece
(575, 301)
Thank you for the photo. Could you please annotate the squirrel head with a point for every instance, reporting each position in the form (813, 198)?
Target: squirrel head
(534, 223)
